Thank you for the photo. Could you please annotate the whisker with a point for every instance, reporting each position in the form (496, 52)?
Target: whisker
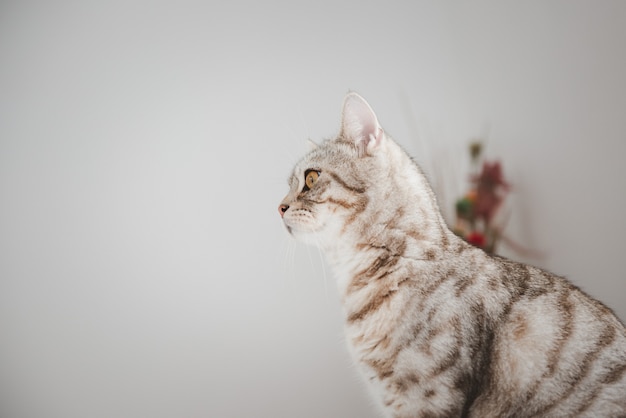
(288, 262)
(323, 264)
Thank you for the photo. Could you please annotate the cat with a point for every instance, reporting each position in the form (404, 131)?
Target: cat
(438, 327)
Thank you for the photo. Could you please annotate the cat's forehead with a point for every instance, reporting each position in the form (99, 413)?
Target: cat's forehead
(329, 153)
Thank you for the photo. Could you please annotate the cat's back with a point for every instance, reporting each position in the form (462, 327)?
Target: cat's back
(556, 351)
(481, 336)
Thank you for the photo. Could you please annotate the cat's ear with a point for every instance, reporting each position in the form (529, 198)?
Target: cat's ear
(360, 125)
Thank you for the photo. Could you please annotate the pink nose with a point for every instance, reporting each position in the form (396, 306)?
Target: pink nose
(282, 209)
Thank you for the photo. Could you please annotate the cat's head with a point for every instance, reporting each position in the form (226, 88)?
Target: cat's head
(334, 183)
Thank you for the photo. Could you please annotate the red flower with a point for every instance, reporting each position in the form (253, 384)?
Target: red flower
(477, 239)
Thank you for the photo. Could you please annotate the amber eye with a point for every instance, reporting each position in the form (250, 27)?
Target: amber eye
(310, 177)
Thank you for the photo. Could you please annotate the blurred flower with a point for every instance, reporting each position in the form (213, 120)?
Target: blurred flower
(476, 210)
(491, 189)
(476, 149)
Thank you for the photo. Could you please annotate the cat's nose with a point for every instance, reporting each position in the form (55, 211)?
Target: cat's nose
(282, 208)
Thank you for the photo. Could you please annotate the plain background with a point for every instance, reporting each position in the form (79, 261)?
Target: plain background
(145, 146)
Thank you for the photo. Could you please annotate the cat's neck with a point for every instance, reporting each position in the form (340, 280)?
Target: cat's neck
(402, 220)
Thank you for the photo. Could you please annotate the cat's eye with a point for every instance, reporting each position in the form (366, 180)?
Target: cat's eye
(310, 177)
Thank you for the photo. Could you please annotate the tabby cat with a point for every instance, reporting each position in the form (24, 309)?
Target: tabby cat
(438, 327)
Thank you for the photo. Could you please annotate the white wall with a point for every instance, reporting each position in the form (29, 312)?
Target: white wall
(144, 148)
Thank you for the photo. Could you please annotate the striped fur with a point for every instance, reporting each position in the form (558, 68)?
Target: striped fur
(438, 327)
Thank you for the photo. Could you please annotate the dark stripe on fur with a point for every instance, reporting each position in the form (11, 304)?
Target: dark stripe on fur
(374, 303)
(483, 353)
(342, 183)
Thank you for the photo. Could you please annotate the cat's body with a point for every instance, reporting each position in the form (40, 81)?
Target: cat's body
(438, 327)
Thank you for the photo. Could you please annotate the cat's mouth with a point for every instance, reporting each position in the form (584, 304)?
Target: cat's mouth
(298, 230)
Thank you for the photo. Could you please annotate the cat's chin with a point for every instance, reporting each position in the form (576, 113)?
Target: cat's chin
(309, 237)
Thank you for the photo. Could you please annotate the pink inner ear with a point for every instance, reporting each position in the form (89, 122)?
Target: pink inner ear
(360, 123)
